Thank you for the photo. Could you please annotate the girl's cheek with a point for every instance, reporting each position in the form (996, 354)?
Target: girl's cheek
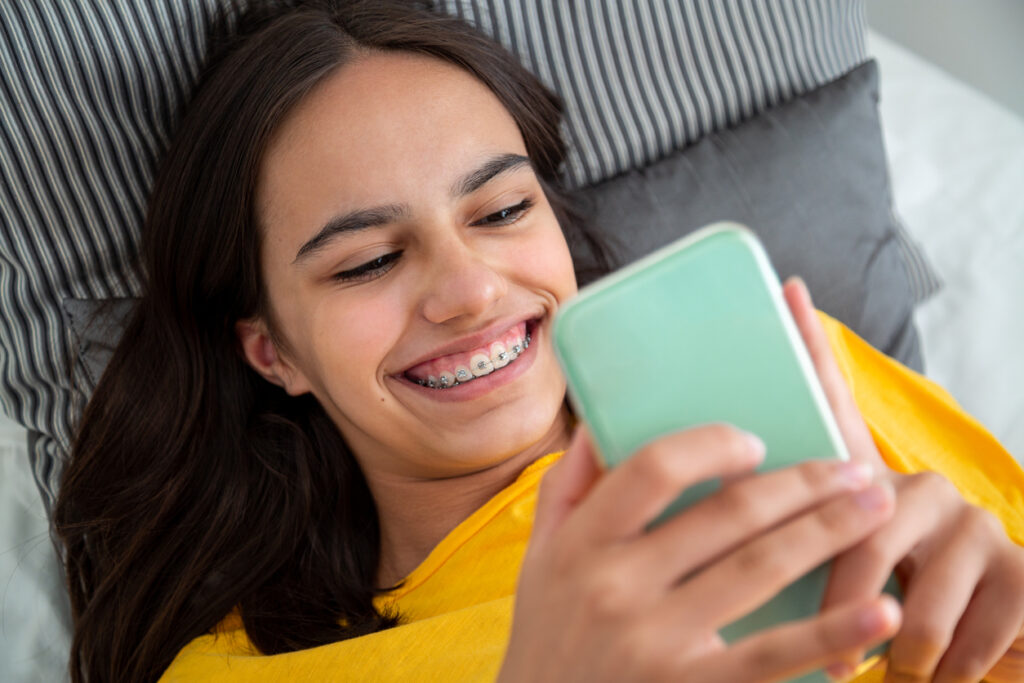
(356, 329)
(548, 261)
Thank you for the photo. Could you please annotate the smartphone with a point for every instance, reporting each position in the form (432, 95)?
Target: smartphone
(695, 333)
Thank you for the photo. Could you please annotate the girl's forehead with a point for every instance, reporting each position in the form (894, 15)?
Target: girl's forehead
(397, 103)
(386, 128)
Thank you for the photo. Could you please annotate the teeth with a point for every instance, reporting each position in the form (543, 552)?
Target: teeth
(499, 355)
(481, 365)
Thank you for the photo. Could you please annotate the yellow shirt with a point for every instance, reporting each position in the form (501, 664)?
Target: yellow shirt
(456, 606)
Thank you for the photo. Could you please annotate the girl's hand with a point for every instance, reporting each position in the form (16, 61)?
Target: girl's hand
(602, 598)
(963, 578)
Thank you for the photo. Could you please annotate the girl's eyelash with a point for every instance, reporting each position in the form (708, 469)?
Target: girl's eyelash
(510, 214)
(369, 270)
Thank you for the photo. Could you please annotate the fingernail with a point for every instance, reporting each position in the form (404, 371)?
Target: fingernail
(875, 497)
(803, 286)
(839, 671)
(879, 617)
(755, 443)
(856, 475)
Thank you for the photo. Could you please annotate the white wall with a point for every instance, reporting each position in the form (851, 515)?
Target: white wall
(980, 42)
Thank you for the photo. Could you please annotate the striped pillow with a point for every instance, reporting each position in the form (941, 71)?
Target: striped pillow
(90, 92)
(641, 79)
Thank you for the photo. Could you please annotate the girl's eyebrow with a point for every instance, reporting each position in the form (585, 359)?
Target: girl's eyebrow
(361, 219)
(353, 221)
(479, 177)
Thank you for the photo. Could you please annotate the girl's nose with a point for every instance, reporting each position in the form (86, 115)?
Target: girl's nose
(461, 284)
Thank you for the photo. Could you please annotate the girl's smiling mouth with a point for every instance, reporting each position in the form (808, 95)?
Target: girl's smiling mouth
(478, 370)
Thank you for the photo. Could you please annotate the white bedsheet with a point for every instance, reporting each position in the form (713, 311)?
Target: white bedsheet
(957, 163)
(34, 639)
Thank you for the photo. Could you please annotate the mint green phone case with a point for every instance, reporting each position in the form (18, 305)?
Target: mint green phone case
(698, 332)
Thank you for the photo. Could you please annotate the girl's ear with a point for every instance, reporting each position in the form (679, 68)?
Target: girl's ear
(262, 354)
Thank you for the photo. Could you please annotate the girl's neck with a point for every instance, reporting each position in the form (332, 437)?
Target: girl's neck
(416, 515)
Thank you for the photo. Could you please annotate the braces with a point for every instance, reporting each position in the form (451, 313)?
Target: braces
(463, 376)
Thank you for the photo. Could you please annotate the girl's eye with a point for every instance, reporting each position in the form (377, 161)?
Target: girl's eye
(510, 214)
(369, 270)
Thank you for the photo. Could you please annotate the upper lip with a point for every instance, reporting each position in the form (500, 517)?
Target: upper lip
(471, 341)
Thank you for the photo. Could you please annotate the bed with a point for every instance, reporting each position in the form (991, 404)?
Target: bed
(957, 166)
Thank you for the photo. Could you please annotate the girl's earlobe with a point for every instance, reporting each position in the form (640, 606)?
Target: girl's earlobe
(259, 350)
(263, 355)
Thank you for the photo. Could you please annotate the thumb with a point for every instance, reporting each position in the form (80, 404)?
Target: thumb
(848, 418)
(565, 485)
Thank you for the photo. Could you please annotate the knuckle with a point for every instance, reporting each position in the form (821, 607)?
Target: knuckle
(735, 441)
(661, 463)
(836, 520)
(902, 673)
(561, 566)
(766, 658)
(875, 553)
(829, 640)
(918, 648)
(969, 666)
(981, 523)
(935, 484)
(740, 506)
(816, 475)
(928, 637)
(762, 561)
(642, 649)
(728, 439)
(720, 431)
(656, 466)
(608, 593)
(899, 676)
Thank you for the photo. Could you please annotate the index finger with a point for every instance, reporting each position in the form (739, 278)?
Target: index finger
(628, 498)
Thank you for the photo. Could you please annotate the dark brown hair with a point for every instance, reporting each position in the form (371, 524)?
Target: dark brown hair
(194, 486)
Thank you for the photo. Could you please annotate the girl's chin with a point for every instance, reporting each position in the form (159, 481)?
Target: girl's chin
(523, 433)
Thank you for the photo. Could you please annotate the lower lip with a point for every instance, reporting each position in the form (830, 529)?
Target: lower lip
(481, 385)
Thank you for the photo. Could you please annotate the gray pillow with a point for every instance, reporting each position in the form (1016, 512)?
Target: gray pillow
(809, 177)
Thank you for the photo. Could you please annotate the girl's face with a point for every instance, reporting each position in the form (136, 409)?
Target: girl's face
(406, 239)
